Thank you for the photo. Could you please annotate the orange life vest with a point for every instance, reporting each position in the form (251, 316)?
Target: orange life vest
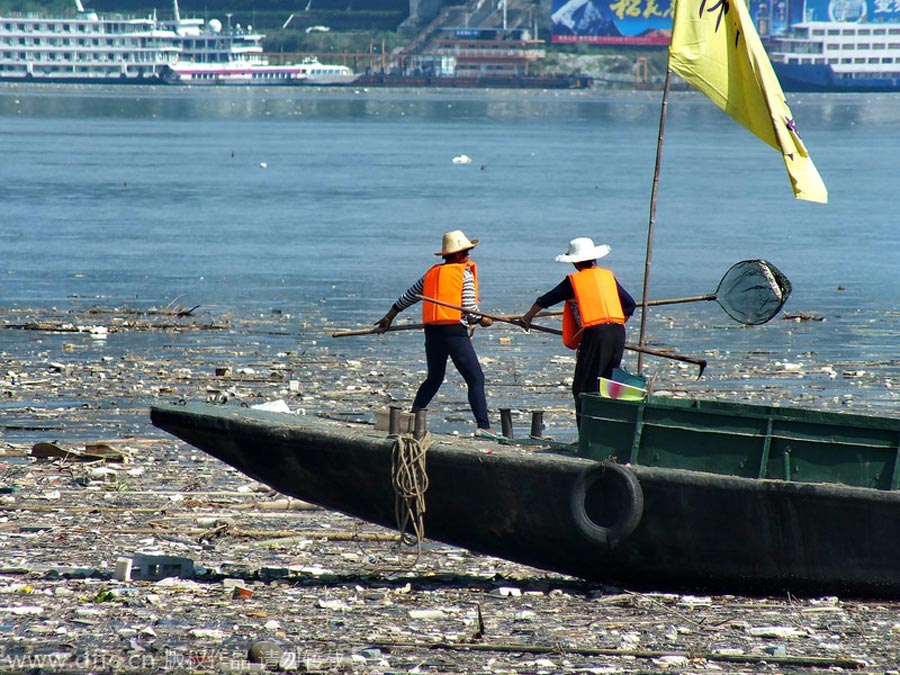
(444, 282)
(596, 302)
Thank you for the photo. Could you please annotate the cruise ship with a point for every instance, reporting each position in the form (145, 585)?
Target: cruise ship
(85, 48)
(88, 48)
(836, 56)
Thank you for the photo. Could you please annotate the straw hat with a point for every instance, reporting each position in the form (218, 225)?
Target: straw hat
(582, 249)
(456, 241)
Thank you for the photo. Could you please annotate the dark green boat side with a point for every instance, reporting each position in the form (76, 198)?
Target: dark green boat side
(751, 441)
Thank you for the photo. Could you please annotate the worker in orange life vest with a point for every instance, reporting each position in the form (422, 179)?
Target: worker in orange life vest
(454, 281)
(594, 317)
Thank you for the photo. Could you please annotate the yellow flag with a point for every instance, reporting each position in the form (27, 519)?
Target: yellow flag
(715, 48)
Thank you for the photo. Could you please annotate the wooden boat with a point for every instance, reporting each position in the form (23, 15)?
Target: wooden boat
(662, 494)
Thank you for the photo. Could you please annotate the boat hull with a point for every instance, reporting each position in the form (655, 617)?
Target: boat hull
(84, 79)
(462, 82)
(821, 78)
(644, 527)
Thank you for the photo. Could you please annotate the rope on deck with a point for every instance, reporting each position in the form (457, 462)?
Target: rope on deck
(410, 484)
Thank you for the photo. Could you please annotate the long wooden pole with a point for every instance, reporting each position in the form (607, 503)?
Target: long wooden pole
(649, 303)
(652, 225)
(375, 331)
(414, 326)
(516, 322)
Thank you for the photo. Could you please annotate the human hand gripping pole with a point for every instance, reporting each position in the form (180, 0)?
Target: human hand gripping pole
(518, 321)
(384, 323)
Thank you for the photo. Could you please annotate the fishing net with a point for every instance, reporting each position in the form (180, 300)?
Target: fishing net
(753, 291)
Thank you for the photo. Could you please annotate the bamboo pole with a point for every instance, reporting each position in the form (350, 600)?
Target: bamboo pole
(652, 224)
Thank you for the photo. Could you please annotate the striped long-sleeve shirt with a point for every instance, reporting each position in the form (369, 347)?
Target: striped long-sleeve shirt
(468, 300)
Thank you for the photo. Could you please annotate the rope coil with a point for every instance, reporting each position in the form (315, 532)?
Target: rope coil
(410, 481)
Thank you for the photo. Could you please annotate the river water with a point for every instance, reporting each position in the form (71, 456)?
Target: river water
(320, 206)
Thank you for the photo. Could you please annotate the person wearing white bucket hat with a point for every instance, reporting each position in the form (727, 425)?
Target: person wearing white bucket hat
(594, 317)
(455, 281)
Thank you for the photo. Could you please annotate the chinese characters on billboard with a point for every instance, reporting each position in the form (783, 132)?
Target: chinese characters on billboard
(649, 22)
(635, 22)
(869, 11)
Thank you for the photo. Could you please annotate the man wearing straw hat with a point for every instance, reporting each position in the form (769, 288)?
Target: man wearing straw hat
(594, 317)
(455, 281)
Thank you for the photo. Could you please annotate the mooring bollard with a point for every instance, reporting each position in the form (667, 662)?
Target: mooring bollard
(506, 427)
(421, 425)
(394, 421)
(537, 423)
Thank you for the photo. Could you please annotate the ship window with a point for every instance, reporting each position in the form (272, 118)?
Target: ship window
(864, 45)
(864, 31)
(846, 60)
(879, 31)
(873, 59)
(834, 31)
(859, 60)
(878, 45)
(816, 31)
(847, 46)
(887, 59)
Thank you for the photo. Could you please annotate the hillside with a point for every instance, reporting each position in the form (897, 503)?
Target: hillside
(373, 15)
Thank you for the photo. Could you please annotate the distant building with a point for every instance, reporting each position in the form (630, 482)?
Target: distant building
(486, 52)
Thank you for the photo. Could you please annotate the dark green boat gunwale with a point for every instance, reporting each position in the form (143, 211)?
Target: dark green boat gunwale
(751, 441)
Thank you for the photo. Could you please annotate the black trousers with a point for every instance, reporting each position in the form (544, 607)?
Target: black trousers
(601, 350)
(453, 342)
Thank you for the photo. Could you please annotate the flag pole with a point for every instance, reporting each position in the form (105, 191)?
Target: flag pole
(648, 258)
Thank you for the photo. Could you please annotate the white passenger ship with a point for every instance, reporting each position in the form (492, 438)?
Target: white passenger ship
(253, 68)
(841, 45)
(84, 48)
(88, 48)
(838, 56)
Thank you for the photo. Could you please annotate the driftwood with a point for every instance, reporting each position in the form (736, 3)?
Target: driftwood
(97, 452)
(69, 327)
(153, 311)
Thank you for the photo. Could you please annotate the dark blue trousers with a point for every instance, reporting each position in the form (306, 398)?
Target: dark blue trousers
(453, 342)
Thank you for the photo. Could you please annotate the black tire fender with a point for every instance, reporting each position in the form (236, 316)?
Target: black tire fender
(607, 503)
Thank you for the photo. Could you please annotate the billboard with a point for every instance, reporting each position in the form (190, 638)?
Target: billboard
(869, 11)
(633, 22)
(649, 22)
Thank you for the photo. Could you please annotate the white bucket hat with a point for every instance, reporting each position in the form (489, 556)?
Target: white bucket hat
(456, 241)
(582, 249)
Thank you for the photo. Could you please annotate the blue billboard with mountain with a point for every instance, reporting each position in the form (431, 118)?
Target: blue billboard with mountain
(636, 22)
